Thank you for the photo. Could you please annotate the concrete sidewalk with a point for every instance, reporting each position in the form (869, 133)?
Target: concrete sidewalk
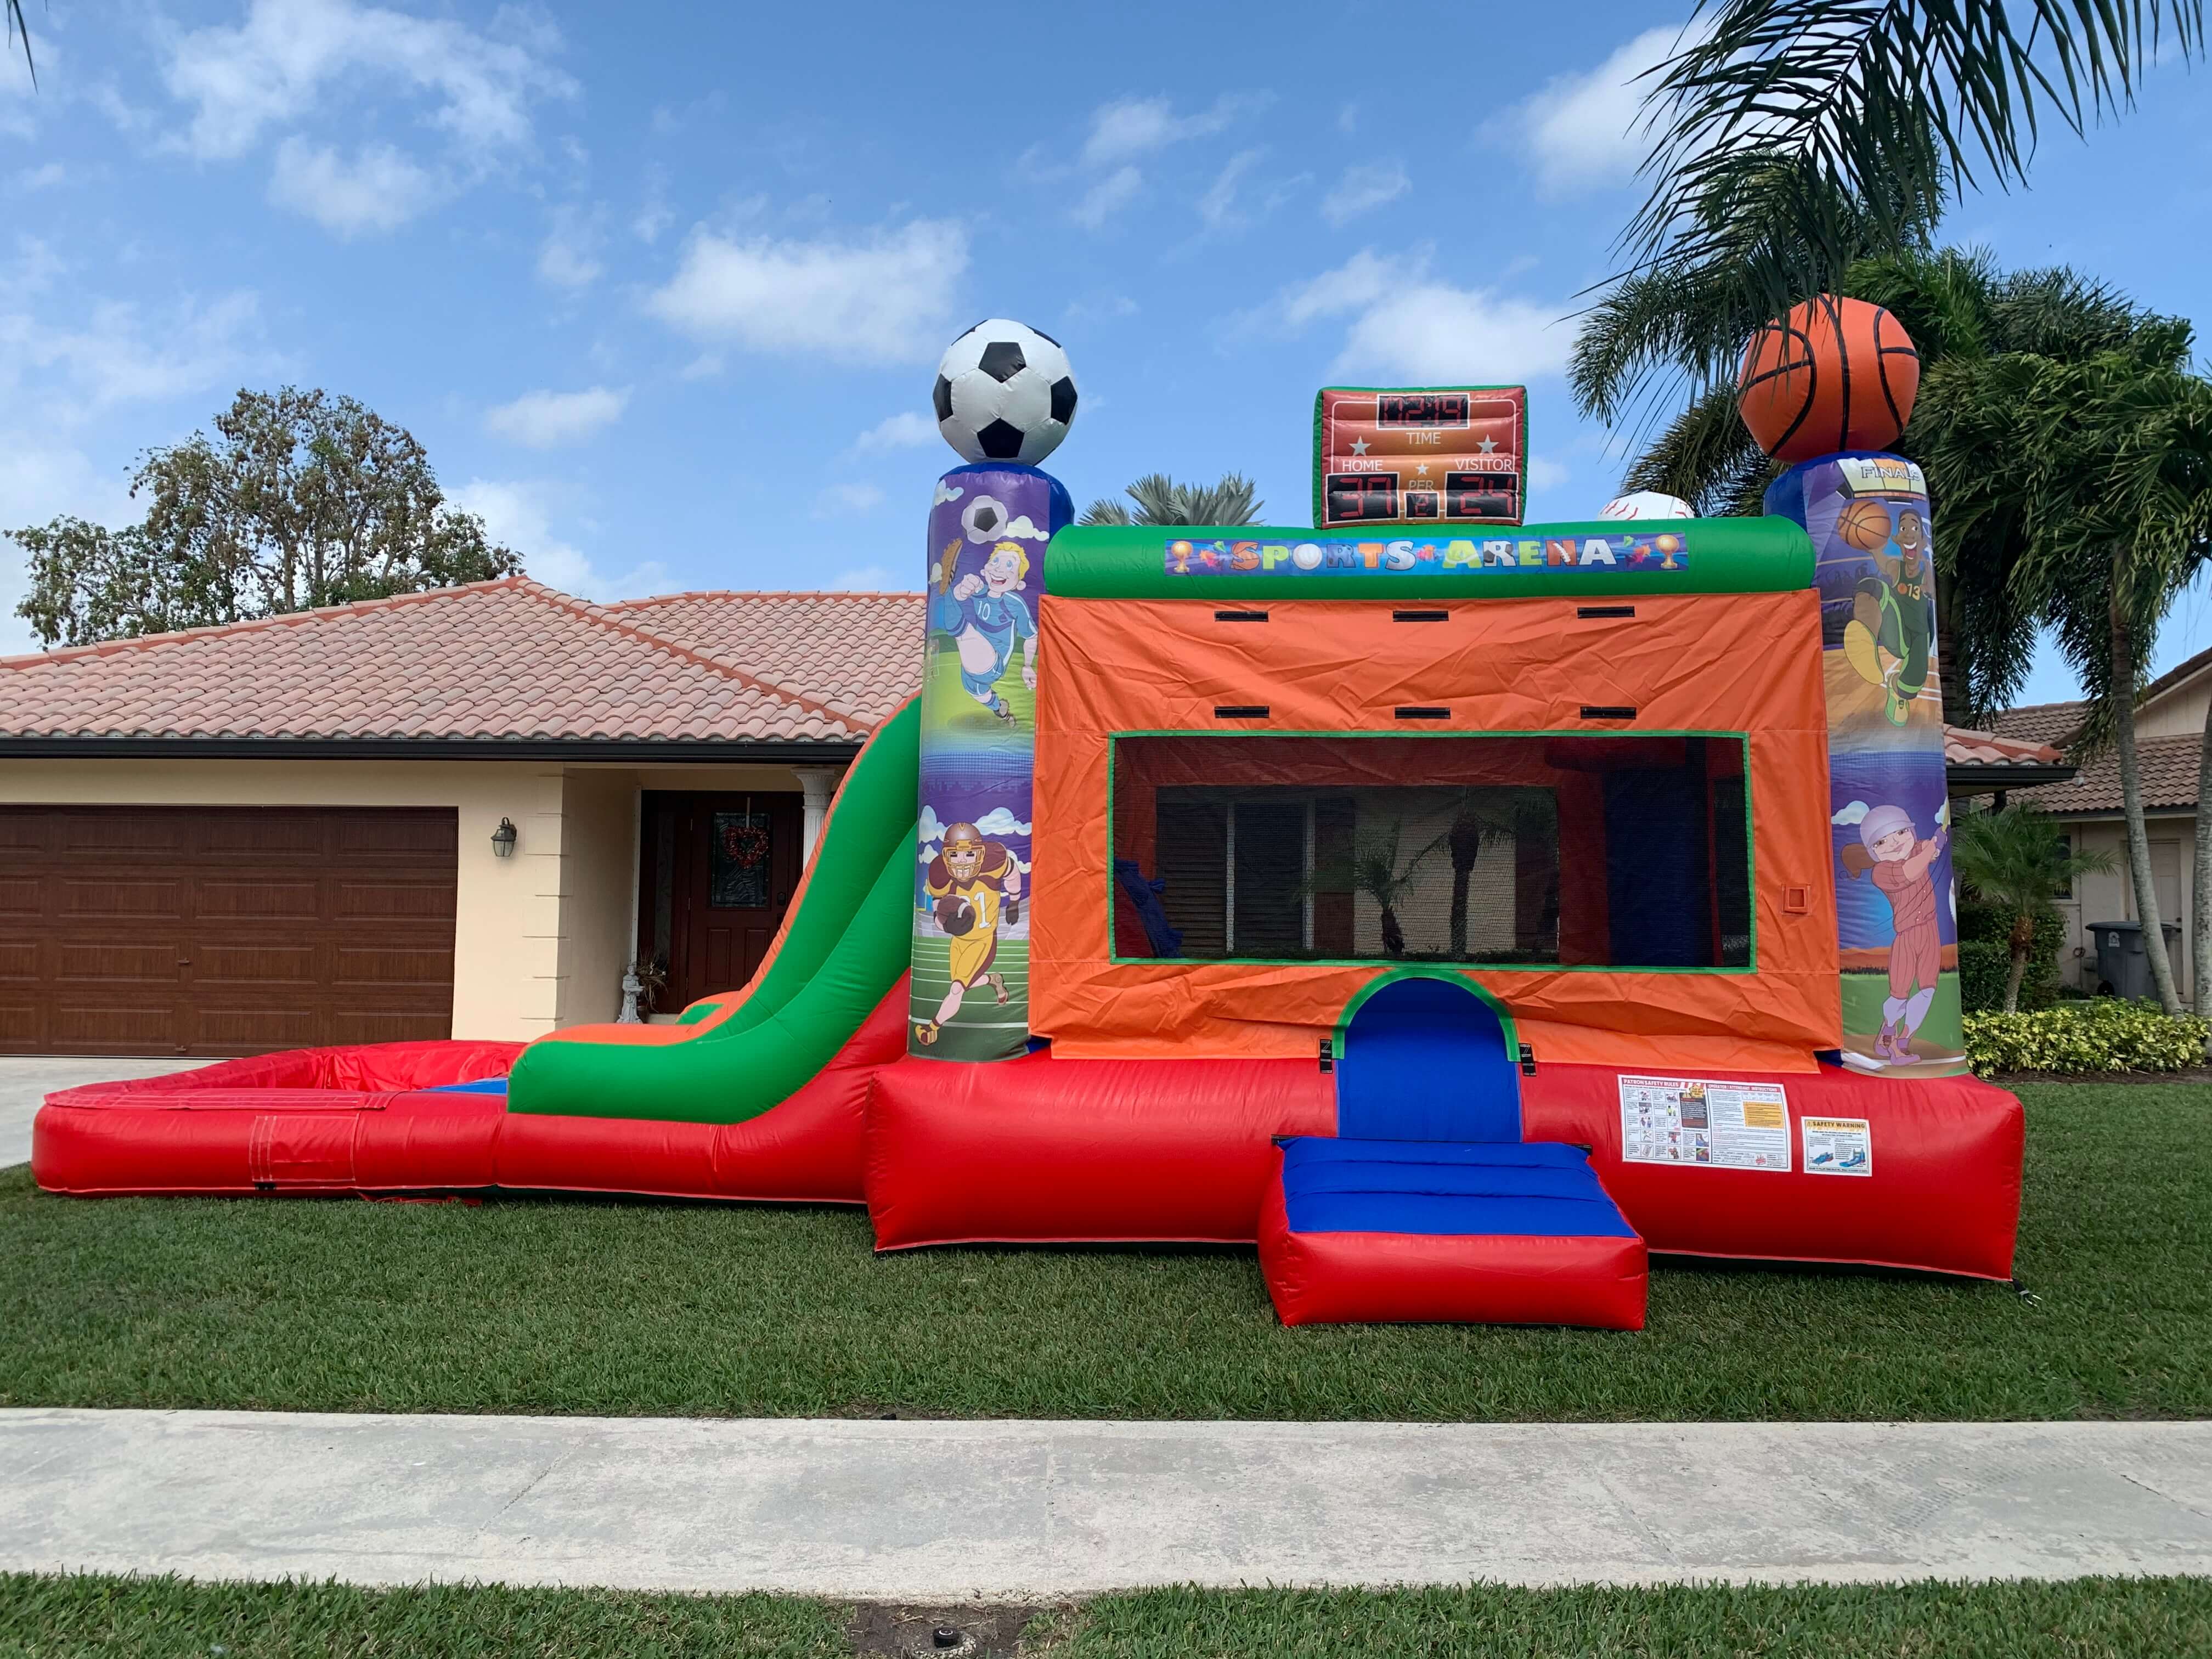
(938, 1511)
(26, 1080)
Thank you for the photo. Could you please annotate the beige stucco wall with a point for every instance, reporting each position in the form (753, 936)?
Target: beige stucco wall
(540, 940)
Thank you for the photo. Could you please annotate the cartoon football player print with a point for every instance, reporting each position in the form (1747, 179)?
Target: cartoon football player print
(1901, 865)
(972, 884)
(985, 614)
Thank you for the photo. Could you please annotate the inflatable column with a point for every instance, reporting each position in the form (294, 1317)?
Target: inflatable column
(1889, 812)
(1002, 388)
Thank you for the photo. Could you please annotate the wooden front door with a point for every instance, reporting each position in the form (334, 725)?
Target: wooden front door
(719, 872)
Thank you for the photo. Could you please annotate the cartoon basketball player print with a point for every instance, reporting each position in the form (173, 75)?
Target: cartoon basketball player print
(1893, 622)
(1901, 864)
(985, 614)
(973, 884)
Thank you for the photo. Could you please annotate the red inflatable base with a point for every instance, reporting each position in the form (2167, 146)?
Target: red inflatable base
(336, 1121)
(1363, 1278)
(1067, 1152)
(1941, 1193)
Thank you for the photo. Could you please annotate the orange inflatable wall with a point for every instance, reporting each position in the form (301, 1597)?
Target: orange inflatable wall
(1746, 663)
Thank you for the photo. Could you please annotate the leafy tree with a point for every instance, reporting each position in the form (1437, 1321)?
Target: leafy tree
(1874, 110)
(2017, 859)
(1160, 500)
(298, 499)
(1371, 865)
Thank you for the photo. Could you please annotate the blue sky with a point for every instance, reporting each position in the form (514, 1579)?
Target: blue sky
(662, 287)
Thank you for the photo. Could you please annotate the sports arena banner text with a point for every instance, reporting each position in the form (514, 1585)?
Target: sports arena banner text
(1334, 555)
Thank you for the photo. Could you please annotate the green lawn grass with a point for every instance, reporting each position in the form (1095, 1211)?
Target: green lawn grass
(2084, 1619)
(550, 1305)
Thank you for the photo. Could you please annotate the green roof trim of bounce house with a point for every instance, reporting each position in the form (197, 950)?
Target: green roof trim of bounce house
(1591, 559)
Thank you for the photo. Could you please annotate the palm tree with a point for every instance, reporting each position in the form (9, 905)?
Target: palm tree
(2017, 858)
(1965, 315)
(2112, 457)
(1161, 500)
(1371, 865)
(1873, 110)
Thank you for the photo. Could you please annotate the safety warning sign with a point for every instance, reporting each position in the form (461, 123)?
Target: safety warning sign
(1837, 1145)
(1723, 1126)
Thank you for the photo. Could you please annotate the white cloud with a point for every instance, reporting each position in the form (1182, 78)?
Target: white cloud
(291, 62)
(871, 578)
(123, 355)
(515, 515)
(1000, 821)
(1130, 127)
(905, 430)
(1108, 198)
(847, 500)
(1406, 325)
(1218, 206)
(932, 827)
(1544, 473)
(569, 256)
(380, 190)
(1022, 530)
(883, 301)
(1854, 813)
(1588, 132)
(946, 492)
(1362, 189)
(280, 63)
(544, 420)
(40, 480)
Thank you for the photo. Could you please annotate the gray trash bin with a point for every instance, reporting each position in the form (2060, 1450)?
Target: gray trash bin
(2122, 962)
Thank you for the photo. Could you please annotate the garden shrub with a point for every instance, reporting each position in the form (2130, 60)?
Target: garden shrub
(1985, 957)
(2103, 1034)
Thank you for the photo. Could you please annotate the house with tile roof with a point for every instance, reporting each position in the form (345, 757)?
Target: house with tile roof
(457, 813)
(2169, 737)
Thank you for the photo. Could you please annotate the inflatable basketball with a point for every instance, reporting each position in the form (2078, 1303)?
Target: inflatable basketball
(1864, 524)
(1834, 374)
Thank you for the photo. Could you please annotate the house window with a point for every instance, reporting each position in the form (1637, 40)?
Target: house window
(1568, 849)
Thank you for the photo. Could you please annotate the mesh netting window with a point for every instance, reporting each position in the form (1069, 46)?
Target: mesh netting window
(1573, 849)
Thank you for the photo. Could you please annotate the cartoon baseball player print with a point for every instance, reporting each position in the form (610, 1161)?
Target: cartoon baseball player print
(1902, 867)
(973, 884)
(985, 614)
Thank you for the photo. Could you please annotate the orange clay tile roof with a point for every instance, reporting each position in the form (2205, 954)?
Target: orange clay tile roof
(2042, 722)
(1963, 747)
(860, 653)
(501, 659)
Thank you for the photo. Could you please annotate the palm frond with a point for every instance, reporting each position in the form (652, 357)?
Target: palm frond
(1890, 104)
(1707, 457)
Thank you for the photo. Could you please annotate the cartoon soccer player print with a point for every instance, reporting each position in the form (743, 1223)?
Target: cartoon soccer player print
(1901, 864)
(973, 884)
(984, 613)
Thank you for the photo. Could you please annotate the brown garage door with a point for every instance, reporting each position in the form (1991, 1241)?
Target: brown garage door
(148, 930)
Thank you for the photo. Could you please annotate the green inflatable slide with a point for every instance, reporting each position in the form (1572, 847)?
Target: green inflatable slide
(843, 946)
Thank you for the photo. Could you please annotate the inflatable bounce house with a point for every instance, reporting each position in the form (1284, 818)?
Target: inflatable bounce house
(1458, 909)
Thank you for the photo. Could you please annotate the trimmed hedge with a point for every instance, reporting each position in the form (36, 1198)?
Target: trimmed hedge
(2100, 1035)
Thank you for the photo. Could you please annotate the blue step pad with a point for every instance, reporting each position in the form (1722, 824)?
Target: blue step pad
(1497, 1232)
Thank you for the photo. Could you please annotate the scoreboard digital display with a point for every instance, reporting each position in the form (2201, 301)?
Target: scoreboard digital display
(1438, 455)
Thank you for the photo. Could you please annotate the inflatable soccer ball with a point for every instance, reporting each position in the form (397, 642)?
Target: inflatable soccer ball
(1005, 393)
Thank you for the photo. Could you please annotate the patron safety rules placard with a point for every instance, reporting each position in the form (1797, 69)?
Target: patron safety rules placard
(1723, 1126)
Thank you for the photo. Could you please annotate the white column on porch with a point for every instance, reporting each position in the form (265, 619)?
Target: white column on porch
(819, 783)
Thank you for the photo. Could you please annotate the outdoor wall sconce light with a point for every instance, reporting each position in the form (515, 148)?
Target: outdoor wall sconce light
(502, 838)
